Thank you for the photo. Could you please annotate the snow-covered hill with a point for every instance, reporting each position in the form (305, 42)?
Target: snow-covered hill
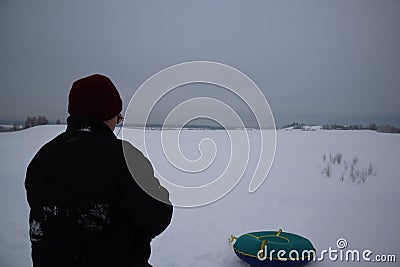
(297, 196)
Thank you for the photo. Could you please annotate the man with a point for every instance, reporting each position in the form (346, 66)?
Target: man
(86, 208)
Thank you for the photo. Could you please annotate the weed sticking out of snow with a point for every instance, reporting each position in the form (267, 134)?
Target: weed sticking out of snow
(334, 165)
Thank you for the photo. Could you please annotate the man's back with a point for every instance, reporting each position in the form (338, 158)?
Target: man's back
(86, 210)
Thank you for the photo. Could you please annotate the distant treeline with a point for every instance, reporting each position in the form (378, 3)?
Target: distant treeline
(383, 128)
(35, 121)
(29, 122)
(187, 126)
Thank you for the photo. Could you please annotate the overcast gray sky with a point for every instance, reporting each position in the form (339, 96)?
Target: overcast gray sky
(315, 61)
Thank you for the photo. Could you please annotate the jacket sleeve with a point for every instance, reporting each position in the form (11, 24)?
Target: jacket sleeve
(152, 214)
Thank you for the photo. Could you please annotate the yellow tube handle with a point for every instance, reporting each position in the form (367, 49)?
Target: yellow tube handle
(263, 243)
(232, 238)
(279, 232)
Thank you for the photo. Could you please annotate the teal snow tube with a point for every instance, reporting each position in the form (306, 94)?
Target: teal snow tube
(273, 248)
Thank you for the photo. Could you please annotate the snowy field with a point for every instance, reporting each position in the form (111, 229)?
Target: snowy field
(297, 196)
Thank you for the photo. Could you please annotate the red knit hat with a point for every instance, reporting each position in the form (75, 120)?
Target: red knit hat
(94, 96)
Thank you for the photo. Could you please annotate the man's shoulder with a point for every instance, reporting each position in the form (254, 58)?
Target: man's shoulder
(50, 144)
(76, 142)
(129, 148)
(134, 157)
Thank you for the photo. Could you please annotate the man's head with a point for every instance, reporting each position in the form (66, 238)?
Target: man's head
(95, 97)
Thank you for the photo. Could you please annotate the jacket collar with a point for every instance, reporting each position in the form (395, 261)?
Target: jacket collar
(85, 124)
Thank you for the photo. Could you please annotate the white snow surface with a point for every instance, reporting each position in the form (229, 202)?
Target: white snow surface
(296, 196)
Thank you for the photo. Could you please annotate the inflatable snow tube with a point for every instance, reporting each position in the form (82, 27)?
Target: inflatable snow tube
(273, 248)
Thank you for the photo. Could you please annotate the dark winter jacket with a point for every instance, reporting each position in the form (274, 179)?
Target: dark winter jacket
(86, 209)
